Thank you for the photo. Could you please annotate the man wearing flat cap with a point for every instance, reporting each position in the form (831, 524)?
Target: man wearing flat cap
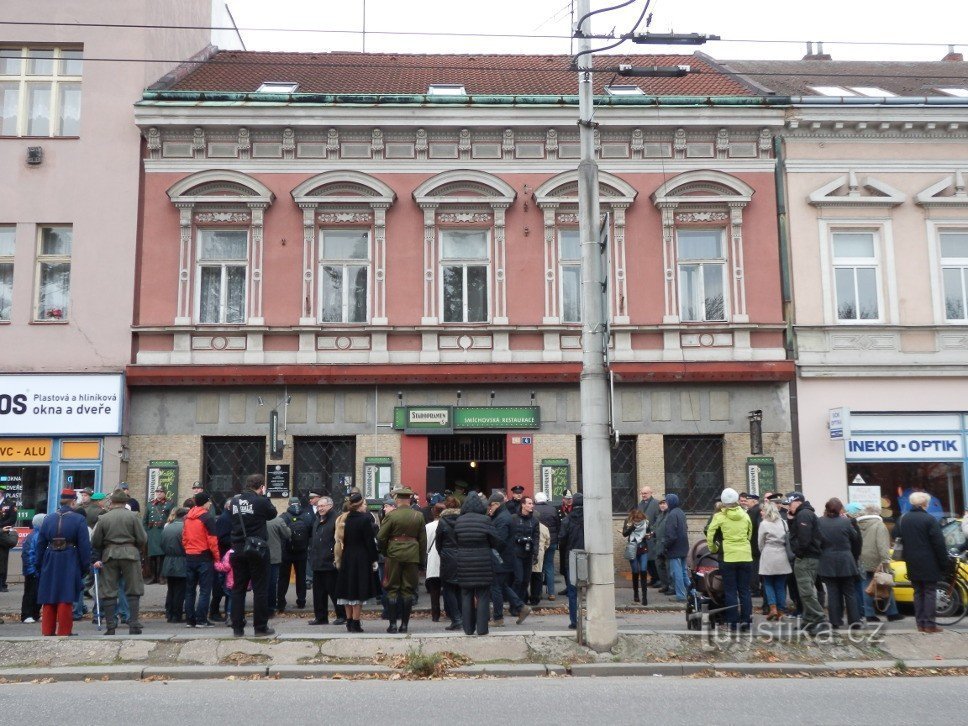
(403, 540)
(117, 542)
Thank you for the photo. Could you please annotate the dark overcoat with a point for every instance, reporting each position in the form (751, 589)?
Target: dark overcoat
(925, 553)
(476, 537)
(357, 579)
(62, 571)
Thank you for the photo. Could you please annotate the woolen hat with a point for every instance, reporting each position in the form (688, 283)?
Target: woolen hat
(729, 496)
(540, 498)
(119, 496)
(854, 509)
(495, 498)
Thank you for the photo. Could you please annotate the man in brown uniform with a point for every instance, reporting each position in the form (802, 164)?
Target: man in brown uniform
(403, 540)
(117, 542)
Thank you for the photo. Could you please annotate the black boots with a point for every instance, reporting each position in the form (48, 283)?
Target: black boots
(134, 620)
(635, 587)
(109, 608)
(405, 606)
(392, 616)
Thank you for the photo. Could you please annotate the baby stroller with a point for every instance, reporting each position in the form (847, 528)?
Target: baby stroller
(705, 587)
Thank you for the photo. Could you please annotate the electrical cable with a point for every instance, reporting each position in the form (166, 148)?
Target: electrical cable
(620, 41)
(587, 15)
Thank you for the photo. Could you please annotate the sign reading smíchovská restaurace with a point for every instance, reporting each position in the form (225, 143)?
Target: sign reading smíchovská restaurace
(61, 405)
(446, 419)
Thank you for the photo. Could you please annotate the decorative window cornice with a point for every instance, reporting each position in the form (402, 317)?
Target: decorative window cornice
(851, 191)
(949, 192)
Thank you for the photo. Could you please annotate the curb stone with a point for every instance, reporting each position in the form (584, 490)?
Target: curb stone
(505, 670)
(327, 671)
(73, 673)
(202, 672)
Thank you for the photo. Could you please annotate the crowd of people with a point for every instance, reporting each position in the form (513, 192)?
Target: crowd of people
(481, 554)
(827, 564)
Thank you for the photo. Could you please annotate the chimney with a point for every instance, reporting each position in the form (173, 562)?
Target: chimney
(953, 56)
(818, 56)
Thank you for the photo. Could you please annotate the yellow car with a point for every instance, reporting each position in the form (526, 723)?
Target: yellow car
(954, 539)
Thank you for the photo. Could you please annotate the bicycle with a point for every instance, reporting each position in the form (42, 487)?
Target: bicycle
(952, 591)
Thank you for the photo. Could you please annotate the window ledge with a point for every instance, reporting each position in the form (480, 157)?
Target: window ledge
(49, 322)
(42, 138)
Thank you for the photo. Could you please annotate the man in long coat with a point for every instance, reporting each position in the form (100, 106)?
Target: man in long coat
(403, 539)
(117, 543)
(64, 557)
(156, 517)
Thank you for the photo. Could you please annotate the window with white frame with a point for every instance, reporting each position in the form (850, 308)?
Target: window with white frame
(464, 275)
(40, 91)
(855, 275)
(954, 274)
(344, 288)
(702, 275)
(222, 275)
(8, 234)
(54, 273)
(569, 274)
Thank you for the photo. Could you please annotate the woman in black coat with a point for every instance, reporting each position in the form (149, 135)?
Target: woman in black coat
(356, 582)
(476, 539)
(839, 539)
(926, 557)
(446, 544)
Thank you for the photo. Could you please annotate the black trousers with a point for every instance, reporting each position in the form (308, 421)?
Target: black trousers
(324, 586)
(175, 600)
(245, 571)
(299, 563)
(4, 555)
(475, 617)
(28, 604)
(434, 587)
(841, 592)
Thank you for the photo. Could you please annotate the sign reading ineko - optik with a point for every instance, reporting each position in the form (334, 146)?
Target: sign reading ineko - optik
(61, 405)
(894, 447)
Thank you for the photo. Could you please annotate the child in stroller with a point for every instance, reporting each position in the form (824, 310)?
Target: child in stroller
(705, 587)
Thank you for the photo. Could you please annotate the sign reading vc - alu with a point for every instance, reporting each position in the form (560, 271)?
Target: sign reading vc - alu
(61, 405)
(893, 447)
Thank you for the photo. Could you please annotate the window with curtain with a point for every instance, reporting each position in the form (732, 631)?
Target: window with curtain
(702, 275)
(464, 266)
(54, 273)
(40, 91)
(7, 239)
(855, 275)
(222, 275)
(954, 274)
(569, 274)
(344, 275)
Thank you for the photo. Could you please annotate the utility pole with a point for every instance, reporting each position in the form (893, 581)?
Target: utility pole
(602, 630)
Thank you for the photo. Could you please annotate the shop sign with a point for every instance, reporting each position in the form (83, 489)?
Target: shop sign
(163, 473)
(497, 417)
(61, 405)
(423, 419)
(377, 476)
(760, 474)
(864, 495)
(277, 480)
(555, 478)
(25, 450)
(838, 422)
(894, 447)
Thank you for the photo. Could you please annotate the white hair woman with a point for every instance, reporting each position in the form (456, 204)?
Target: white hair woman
(774, 562)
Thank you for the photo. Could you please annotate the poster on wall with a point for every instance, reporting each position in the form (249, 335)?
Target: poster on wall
(277, 480)
(163, 473)
(555, 478)
(61, 405)
(864, 495)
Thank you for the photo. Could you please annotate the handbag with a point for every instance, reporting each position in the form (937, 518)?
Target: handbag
(630, 550)
(253, 548)
(8, 538)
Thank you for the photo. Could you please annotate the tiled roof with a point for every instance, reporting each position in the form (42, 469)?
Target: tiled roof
(395, 73)
(798, 78)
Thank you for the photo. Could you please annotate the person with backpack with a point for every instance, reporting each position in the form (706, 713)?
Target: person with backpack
(294, 553)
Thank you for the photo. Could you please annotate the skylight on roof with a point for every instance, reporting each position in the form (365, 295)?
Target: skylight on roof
(872, 91)
(959, 92)
(446, 89)
(277, 87)
(832, 91)
(624, 91)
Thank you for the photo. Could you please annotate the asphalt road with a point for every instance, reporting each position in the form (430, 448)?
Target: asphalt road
(553, 701)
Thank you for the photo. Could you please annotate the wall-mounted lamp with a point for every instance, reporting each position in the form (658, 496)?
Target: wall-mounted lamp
(492, 398)
(458, 398)
(756, 432)
(473, 465)
(532, 398)
(259, 399)
(400, 398)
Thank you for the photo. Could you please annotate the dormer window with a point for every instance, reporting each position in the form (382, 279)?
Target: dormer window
(833, 91)
(624, 91)
(446, 89)
(956, 92)
(277, 87)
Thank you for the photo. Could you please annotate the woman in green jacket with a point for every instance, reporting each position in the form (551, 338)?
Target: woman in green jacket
(734, 526)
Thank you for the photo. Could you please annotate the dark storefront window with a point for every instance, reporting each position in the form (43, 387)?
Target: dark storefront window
(324, 466)
(897, 480)
(28, 486)
(694, 470)
(624, 477)
(228, 461)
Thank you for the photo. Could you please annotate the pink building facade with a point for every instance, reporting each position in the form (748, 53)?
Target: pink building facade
(349, 293)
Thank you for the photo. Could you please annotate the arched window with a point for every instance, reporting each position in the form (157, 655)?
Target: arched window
(558, 199)
(220, 258)
(702, 246)
(344, 248)
(464, 253)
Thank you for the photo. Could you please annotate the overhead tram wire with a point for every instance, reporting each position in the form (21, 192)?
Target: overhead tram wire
(454, 34)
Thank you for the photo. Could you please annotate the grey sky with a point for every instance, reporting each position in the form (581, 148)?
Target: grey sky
(938, 22)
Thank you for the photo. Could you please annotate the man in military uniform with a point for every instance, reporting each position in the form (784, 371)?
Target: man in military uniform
(514, 503)
(403, 540)
(156, 517)
(117, 542)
